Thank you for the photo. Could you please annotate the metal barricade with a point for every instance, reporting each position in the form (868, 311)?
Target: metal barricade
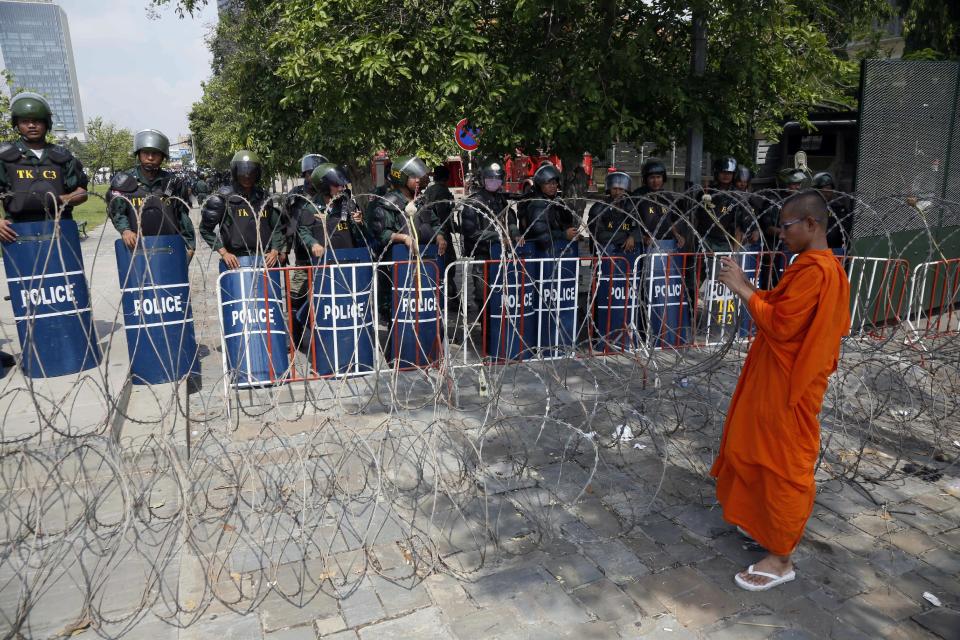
(934, 296)
(878, 291)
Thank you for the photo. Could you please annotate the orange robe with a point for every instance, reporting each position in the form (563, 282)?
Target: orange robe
(771, 438)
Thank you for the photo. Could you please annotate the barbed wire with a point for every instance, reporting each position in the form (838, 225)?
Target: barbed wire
(122, 501)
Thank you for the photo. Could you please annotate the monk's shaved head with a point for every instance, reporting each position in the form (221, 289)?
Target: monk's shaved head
(808, 202)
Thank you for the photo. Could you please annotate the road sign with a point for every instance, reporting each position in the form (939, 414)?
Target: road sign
(467, 137)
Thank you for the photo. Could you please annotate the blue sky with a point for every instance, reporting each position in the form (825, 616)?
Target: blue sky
(136, 71)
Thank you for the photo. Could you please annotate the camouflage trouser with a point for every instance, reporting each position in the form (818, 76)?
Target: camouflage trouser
(299, 281)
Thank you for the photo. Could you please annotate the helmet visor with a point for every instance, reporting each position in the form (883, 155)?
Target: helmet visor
(619, 180)
(311, 161)
(413, 168)
(492, 184)
(246, 169)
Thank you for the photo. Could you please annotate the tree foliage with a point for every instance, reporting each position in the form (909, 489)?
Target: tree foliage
(107, 146)
(7, 133)
(348, 77)
(931, 29)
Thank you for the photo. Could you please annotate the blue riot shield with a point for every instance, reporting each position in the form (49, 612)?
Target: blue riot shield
(415, 326)
(342, 312)
(615, 302)
(156, 309)
(555, 279)
(255, 335)
(50, 299)
(510, 316)
(666, 299)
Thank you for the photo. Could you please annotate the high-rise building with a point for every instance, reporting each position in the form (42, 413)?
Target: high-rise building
(227, 6)
(36, 50)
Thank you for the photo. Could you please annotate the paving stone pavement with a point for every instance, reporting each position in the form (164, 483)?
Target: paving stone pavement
(864, 565)
(865, 584)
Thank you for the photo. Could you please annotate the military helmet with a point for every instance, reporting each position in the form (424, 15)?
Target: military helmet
(823, 180)
(406, 167)
(311, 161)
(743, 174)
(245, 163)
(726, 163)
(653, 166)
(545, 173)
(327, 174)
(27, 104)
(492, 171)
(151, 139)
(791, 176)
(618, 180)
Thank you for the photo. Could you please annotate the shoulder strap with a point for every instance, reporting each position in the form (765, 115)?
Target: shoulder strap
(58, 154)
(10, 152)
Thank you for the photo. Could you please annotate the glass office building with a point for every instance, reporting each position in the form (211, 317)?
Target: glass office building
(36, 49)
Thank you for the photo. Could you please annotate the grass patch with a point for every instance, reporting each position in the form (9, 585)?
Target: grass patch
(94, 210)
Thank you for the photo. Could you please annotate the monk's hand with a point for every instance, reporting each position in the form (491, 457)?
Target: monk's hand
(732, 275)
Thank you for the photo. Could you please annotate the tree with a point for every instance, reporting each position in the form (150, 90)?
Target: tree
(7, 134)
(931, 29)
(348, 77)
(108, 146)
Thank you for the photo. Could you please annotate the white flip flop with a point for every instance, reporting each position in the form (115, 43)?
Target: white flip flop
(775, 580)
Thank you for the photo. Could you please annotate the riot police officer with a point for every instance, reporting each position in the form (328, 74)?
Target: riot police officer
(717, 214)
(301, 201)
(36, 178)
(435, 207)
(331, 220)
(484, 215)
(544, 217)
(614, 222)
(248, 222)
(147, 200)
(393, 217)
(791, 180)
(749, 207)
(742, 178)
(656, 208)
(484, 218)
(201, 189)
(723, 173)
(336, 222)
(840, 224)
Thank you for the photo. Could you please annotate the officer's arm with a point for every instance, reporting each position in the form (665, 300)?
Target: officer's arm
(278, 228)
(636, 229)
(187, 232)
(211, 215)
(4, 184)
(118, 210)
(595, 217)
(381, 232)
(306, 236)
(119, 207)
(74, 183)
(469, 220)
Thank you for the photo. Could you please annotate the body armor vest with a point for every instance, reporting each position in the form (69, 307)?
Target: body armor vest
(35, 189)
(249, 231)
(151, 209)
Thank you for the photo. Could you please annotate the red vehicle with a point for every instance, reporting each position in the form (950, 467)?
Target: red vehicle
(520, 168)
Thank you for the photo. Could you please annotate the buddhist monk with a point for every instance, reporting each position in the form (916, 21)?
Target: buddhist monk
(771, 438)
